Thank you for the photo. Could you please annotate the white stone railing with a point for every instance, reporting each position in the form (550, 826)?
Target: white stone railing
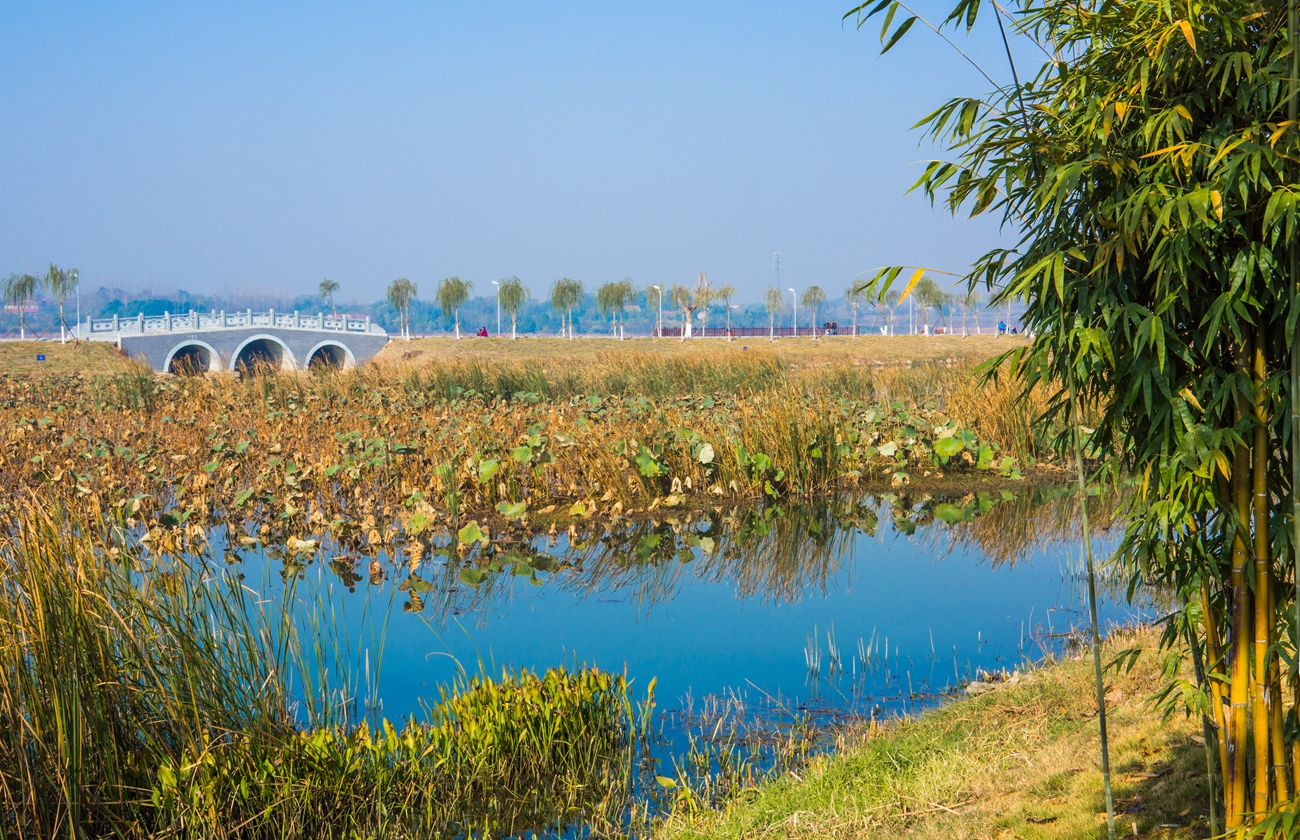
(200, 321)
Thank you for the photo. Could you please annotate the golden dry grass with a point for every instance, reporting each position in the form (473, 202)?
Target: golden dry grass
(80, 357)
(1019, 762)
(802, 351)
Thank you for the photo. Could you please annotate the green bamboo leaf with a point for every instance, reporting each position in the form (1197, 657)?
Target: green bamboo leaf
(898, 33)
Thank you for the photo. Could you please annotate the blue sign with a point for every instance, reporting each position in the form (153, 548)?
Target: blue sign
(40, 357)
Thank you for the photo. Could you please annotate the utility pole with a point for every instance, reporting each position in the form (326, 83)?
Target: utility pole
(794, 313)
(659, 322)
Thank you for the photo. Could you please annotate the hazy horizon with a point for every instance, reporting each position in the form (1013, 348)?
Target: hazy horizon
(260, 150)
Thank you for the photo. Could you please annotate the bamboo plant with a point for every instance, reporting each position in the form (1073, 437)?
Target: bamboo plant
(1147, 166)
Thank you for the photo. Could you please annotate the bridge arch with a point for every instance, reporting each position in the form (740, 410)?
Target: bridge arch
(263, 348)
(192, 357)
(331, 353)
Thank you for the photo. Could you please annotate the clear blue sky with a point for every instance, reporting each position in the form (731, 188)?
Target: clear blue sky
(268, 145)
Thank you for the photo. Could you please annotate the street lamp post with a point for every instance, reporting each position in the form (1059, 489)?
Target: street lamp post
(659, 323)
(794, 313)
(498, 285)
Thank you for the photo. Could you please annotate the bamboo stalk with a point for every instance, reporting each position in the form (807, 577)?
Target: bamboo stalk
(1293, 112)
(1277, 714)
(1295, 745)
(1281, 776)
(1235, 770)
(1208, 729)
(1092, 611)
(1214, 653)
(1261, 717)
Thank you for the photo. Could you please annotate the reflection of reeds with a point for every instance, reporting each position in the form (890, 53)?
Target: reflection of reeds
(1017, 526)
(774, 553)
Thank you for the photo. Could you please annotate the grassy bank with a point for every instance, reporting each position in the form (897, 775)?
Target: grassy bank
(89, 357)
(864, 349)
(1020, 761)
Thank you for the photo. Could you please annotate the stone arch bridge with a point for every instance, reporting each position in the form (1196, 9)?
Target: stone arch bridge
(199, 342)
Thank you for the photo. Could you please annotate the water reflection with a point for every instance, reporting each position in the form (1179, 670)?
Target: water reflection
(860, 605)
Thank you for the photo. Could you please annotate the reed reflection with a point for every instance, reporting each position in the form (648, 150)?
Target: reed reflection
(775, 553)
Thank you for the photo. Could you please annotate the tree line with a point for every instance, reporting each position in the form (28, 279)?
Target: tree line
(618, 305)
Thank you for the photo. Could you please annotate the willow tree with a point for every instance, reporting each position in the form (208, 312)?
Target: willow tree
(19, 289)
(726, 292)
(453, 292)
(813, 297)
(774, 302)
(612, 300)
(705, 295)
(400, 294)
(855, 298)
(928, 296)
(970, 300)
(61, 282)
(1149, 167)
(566, 294)
(513, 294)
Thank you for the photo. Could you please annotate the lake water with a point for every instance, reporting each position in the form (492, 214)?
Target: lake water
(796, 604)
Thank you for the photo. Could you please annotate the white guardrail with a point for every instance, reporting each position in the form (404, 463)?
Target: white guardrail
(199, 321)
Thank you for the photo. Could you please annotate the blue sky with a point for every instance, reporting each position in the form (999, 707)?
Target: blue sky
(264, 146)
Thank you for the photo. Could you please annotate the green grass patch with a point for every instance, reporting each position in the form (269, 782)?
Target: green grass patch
(1020, 761)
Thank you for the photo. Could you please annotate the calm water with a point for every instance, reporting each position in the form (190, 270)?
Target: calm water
(752, 602)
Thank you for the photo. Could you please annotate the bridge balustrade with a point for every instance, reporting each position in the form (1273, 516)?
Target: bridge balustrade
(199, 322)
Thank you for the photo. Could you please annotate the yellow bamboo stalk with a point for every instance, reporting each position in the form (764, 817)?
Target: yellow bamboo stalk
(1242, 617)
(1281, 776)
(1261, 716)
(1277, 714)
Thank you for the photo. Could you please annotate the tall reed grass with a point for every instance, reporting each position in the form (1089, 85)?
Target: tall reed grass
(153, 700)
